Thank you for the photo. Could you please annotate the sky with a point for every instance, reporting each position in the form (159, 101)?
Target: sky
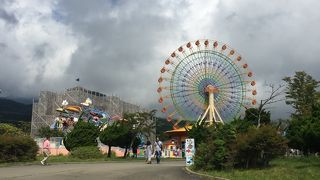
(118, 47)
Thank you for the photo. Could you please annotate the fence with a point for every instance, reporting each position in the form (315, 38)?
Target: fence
(57, 148)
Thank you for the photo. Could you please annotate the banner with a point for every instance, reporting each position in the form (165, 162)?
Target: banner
(190, 151)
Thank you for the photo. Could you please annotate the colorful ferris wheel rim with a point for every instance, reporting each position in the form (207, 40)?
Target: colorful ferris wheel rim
(194, 66)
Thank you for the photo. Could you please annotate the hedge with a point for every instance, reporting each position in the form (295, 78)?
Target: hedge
(86, 152)
(17, 148)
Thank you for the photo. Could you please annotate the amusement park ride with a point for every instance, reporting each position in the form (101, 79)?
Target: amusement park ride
(205, 80)
(71, 114)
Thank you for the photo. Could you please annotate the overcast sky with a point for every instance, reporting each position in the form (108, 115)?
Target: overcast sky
(118, 47)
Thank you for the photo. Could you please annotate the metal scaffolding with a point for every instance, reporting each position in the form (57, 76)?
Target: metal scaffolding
(44, 109)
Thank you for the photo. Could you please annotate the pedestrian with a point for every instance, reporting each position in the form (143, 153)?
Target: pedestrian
(145, 152)
(135, 152)
(45, 150)
(149, 152)
(158, 149)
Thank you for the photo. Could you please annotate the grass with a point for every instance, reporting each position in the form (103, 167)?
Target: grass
(283, 168)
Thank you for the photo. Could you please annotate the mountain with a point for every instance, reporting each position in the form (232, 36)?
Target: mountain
(12, 111)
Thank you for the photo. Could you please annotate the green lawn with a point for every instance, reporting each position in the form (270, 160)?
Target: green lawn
(285, 168)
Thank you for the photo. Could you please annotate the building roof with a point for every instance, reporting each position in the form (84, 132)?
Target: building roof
(183, 129)
(79, 88)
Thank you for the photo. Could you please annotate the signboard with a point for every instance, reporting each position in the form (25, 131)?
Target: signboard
(190, 150)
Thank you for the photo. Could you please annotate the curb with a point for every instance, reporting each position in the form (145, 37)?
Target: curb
(204, 175)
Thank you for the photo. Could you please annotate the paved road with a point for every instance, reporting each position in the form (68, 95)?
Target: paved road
(109, 170)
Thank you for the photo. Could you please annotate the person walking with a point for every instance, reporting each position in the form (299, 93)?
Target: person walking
(149, 152)
(45, 150)
(158, 149)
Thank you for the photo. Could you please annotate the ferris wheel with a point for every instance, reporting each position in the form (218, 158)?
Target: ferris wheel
(205, 80)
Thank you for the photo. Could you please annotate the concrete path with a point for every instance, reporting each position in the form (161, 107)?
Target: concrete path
(91, 171)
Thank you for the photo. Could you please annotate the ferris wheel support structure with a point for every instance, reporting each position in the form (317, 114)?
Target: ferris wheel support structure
(211, 112)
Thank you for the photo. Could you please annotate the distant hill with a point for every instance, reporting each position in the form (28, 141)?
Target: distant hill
(12, 111)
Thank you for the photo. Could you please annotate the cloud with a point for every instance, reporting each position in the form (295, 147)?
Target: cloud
(277, 38)
(8, 18)
(35, 48)
(118, 47)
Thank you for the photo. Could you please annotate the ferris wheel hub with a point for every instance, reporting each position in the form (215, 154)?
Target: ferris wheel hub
(211, 89)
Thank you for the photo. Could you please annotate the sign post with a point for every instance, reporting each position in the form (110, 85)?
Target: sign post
(190, 151)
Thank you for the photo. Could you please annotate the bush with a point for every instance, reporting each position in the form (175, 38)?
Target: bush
(304, 134)
(86, 152)
(202, 157)
(218, 150)
(225, 149)
(17, 148)
(219, 154)
(258, 146)
(199, 133)
(213, 155)
(83, 134)
(7, 129)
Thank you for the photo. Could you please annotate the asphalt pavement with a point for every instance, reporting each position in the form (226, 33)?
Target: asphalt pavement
(91, 171)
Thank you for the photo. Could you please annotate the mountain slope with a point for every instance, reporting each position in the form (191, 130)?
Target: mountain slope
(12, 111)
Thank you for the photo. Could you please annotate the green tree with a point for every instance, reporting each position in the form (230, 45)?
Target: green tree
(83, 134)
(141, 123)
(216, 151)
(258, 146)
(24, 126)
(136, 124)
(114, 135)
(162, 125)
(224, 141)
(303, 133)
(260, 116)
(301, 93)
(7, 129)
(125, 137)
(135, 145)
(200, 133)
(219, 154)
(252, 115)
(241, 125)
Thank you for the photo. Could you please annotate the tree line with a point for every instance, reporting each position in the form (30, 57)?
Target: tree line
(126, 133)
(249, 141)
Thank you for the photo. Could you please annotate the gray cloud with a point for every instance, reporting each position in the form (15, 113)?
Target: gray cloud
(118, 47)
(277, 38)
(120, 51)
(8, 18)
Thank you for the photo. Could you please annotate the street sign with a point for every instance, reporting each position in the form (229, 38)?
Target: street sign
(190, 151)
